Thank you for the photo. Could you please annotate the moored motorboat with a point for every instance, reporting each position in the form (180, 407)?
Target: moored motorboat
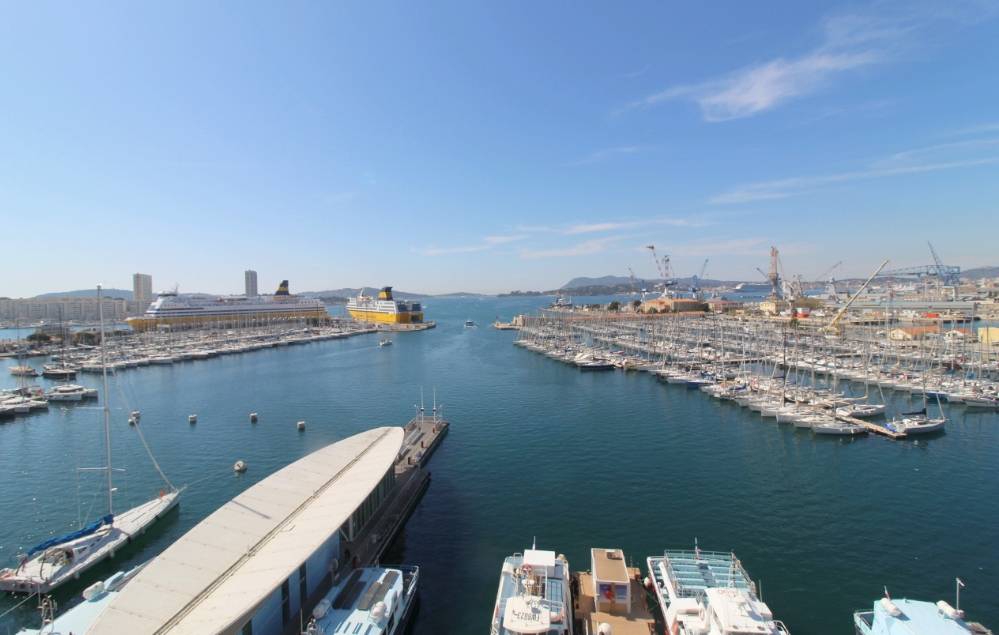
(708, 593)
(533, 595)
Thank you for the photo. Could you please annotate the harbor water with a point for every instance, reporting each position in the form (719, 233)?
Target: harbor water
(537, 451)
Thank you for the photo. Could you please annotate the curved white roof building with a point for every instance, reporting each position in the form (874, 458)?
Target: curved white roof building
(248, 567)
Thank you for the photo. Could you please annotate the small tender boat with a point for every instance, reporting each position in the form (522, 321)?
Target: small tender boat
(239, 466)
(469, 324)
(385, 342)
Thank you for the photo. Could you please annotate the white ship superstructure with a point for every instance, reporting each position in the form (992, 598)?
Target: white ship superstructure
(175, 310)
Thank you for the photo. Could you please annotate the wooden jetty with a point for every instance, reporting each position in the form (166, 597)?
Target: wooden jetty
(872, 427)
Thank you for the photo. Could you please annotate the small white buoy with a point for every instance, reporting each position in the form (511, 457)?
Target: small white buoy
(301, 425)
(253, 417)
(239, 467)
(192, 418)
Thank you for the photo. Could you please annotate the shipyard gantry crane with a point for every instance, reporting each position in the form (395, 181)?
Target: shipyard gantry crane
(948, 275)
(664, 268)
(695, 283)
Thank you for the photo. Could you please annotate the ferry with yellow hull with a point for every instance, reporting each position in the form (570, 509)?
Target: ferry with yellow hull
(384, 309)
(173, 310)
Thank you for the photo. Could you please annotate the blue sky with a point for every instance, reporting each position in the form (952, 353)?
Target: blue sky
(490, 146)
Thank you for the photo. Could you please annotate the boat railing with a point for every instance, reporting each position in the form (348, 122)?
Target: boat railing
(699, 556)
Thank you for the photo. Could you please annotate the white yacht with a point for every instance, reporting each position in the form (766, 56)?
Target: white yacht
(70, 392)
(709, 593)
(371, 600)
(23, 370)
(534, 595)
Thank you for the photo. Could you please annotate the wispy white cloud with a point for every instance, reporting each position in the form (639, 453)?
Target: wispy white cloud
(503, 239)
(978, 129)
(959, 148)
(604, 154)
(487, 243)
(585, 248)
(637, 73)
(591, 228)
(849, 42)
(785, 188)
(754, 247)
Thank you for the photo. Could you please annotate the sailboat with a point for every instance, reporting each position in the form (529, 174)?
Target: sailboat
(59, 560)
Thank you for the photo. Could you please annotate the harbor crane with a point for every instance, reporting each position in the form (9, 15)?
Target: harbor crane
(948, 275)
(826, 277)
(774, 277)
(634, 282)
(664, 268)
(825, 274)
(833, 328)
(695, 283)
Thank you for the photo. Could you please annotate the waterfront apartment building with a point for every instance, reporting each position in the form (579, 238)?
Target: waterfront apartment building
(57, 309)
(250, 282)
(260, 563)
(142, 289)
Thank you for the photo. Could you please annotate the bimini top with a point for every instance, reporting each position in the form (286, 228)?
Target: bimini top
(214, 577)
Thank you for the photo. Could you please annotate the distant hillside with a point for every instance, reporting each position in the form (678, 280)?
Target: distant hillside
(603, 281)
(611, 285)
(348, 292)
(980, 272)
(124, 294)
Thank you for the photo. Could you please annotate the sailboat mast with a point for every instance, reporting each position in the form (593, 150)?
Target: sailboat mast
(107, 410)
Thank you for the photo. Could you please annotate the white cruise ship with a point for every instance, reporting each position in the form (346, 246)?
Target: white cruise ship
(188, 311)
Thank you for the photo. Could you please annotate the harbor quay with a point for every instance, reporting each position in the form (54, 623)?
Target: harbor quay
(264, 561)
(831, 385)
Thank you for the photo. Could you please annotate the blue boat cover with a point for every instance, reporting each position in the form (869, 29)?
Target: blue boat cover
(86, 531)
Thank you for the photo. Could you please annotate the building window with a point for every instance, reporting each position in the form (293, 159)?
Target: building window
(285, 603)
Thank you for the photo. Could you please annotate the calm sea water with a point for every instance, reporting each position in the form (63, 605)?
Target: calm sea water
(536, 449)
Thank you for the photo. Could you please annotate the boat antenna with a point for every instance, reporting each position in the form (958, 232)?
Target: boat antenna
(958, 583)
(435, 403)
(107, 396)
(421, 402)
(534, 542)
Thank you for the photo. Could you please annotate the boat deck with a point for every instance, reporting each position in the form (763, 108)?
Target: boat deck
(635, 619)
(691, 573)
